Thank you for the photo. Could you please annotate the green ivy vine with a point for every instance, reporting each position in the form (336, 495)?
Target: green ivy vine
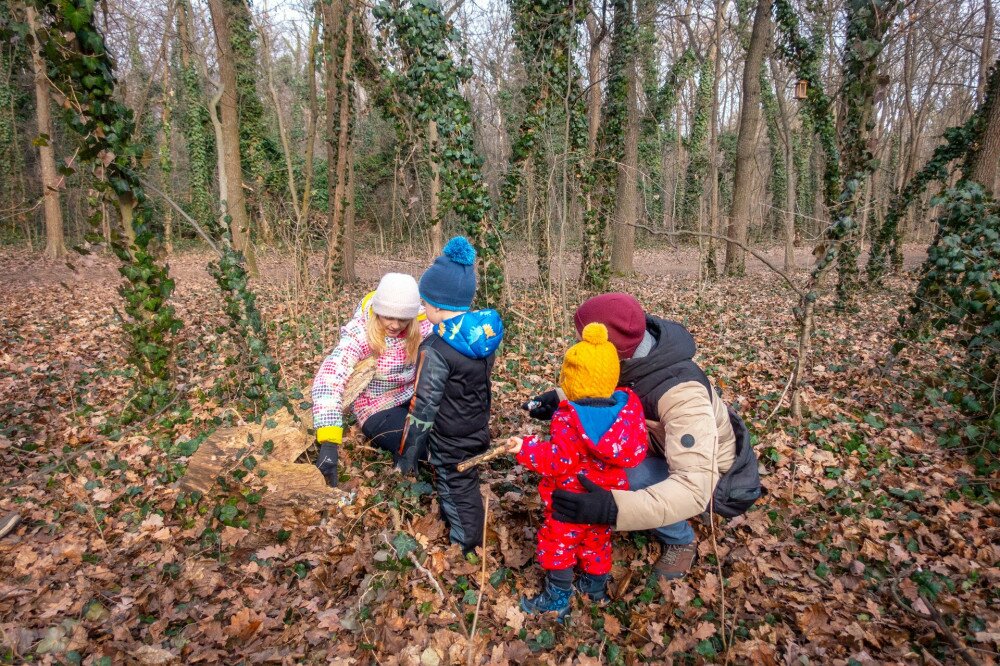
(83, 71)
(195, 126)
(778, 181)
(867, 25)
(429, 88)
(960, 289)
(697, 145)
(543, 33)
(938, 169)
(805, 57)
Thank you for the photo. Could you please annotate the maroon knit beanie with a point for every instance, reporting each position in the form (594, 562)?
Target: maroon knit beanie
(623, 316)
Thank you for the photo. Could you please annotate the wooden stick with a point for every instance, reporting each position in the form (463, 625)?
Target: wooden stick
(487, 456)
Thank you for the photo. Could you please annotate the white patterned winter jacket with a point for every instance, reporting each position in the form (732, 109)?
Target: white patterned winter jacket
(391, 386)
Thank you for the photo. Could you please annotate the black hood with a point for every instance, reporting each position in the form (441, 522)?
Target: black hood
(667, 364)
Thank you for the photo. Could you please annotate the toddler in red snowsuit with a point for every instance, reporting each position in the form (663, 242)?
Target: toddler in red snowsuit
(598, 431)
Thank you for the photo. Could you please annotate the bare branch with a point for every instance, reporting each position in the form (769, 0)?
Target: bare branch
(764, 260)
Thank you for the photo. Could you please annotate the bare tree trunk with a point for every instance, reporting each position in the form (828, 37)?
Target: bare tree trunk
(746, 142)
(55, 243)
(229, 155)
(313, 115)
(986, 57)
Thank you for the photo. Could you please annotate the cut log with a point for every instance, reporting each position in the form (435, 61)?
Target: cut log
(224, 449)
(295, 494)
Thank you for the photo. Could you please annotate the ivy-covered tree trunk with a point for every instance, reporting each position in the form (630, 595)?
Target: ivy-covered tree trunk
(746, 141)
(781, 183)
(55, 243)
(544, 32)
(194, 123)
(426, 83)
(784, 177)
(984, 164)
(666, 102)
(611, 155)
(166, 160)
(106, 129)
(867, 24)
(595, 267)
(13, 195)
(626, 206)
(338, 40)
(233, 195)
(697, 149)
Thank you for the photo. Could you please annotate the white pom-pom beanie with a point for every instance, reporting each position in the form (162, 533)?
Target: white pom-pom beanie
(397, 297)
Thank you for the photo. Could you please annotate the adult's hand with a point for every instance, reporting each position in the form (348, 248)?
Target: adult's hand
(543, 406)
(594, 507)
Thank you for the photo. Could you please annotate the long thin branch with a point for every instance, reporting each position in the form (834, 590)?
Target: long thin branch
(424, 570)
(764, 260)
(191, 221)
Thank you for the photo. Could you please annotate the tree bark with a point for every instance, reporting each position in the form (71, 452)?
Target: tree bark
(596, 35)
(714, 223)
(986, 57)
(626, 189)
(55, 243)
(437, 226)
(986, 163)
(746, 142)
(791, 174)
(338, 22)
(229, 154)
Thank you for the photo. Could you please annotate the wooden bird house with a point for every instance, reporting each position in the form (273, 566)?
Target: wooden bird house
(802, 89)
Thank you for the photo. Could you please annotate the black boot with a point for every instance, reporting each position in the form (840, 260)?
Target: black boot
(326, 461)
(594, 586)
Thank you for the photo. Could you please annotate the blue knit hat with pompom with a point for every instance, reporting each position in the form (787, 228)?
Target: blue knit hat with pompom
(450, 282)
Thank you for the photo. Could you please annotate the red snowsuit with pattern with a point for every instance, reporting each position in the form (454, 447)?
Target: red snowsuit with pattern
(571, 451)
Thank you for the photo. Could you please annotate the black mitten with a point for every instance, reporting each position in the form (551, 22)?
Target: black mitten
(594, 507)
(326, 461)
(543, 406)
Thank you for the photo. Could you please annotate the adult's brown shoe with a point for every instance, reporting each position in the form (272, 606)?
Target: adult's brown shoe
(675, 561)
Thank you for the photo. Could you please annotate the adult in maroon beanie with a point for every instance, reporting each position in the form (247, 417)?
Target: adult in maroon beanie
(699, 449)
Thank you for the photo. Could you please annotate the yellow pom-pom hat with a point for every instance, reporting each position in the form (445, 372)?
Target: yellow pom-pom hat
(590, 369)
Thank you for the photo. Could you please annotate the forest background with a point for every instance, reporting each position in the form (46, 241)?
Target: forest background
(195, 196)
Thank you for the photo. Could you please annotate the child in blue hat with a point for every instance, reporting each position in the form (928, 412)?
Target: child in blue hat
(450, 410)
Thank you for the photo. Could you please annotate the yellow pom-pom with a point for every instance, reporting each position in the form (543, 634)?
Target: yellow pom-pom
(595, 333)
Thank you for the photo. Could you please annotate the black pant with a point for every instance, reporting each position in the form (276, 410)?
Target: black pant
(461, 505)
(384, 430)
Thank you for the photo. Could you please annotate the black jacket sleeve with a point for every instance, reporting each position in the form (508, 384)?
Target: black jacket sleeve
(432, 375)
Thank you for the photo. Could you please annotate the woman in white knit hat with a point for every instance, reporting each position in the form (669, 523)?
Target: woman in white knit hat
(389, 326)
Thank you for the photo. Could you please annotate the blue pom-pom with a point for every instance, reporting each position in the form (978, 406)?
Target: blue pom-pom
(460, 251)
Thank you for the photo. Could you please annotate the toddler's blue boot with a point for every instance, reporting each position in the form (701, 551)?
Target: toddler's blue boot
(552, 600)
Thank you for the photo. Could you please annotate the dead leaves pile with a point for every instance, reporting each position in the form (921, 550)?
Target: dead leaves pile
(871, 546)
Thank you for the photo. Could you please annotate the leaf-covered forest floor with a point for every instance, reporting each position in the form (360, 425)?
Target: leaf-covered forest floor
(874, 545)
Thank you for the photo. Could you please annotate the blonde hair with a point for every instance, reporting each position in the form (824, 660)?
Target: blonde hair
(377, 334)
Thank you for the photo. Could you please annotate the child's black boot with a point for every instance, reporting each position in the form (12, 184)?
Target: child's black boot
(594, 586)
(554, 598)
